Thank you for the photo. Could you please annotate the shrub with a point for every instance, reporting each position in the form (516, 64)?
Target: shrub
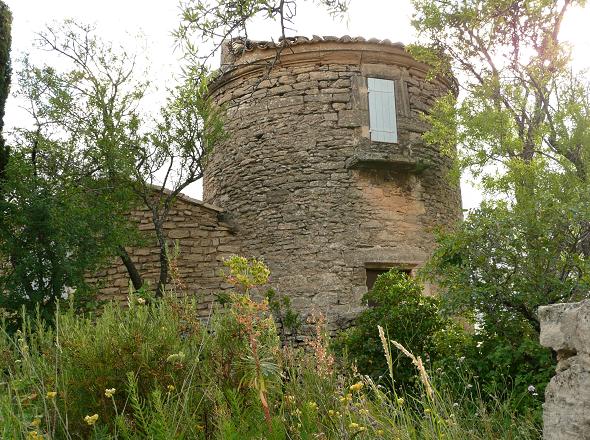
(397, 304)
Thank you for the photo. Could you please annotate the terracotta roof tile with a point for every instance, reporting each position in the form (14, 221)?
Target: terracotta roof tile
(240, 45)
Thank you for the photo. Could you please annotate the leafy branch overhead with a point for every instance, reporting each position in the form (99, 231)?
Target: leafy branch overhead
(522, 101)
(206, 24)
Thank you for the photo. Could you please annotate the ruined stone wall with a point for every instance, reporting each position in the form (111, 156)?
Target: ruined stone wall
(306, 187)
(203, 242)
(566, 412)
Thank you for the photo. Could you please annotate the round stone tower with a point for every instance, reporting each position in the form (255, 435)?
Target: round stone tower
(324, 174)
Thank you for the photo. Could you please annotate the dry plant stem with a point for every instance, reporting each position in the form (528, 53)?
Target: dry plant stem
(325, 361)
(417, 361)
(387, 352)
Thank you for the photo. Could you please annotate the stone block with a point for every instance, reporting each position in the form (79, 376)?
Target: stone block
(276, 103)
(178, 233)
(566, 411)
(566, 327)
(324, 76)
(350, 118)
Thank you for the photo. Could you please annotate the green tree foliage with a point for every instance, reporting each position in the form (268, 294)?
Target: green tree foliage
(92, 155)
(5, 71)
(67, 187)
(397, 304)
(522, 127)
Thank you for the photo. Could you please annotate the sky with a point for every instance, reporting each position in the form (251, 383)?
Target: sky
(122, 21)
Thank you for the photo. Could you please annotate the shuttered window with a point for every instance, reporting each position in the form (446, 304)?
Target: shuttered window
(383, 124)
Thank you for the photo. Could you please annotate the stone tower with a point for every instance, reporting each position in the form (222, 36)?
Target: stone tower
(324, 174)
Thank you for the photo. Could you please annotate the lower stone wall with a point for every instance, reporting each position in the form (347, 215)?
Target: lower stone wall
(566, 329)
(203, 242)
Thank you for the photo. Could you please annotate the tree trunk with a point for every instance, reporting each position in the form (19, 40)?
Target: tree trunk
(134, 274)
(163, 261)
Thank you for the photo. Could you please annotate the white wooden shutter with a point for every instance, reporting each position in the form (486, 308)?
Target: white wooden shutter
(383, 124)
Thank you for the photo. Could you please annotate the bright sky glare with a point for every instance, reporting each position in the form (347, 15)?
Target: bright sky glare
(121, 21)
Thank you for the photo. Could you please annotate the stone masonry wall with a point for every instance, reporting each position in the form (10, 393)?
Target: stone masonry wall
(305, 186)
(203, 242)
(566, 412)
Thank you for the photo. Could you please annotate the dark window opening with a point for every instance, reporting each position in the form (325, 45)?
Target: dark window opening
(372, 275)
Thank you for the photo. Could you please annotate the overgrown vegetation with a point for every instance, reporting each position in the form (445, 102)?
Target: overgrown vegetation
(522, 129)
(397, 304)
(461, 357)
(154, 370)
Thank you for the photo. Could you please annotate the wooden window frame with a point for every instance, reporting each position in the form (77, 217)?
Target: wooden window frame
(360, 99)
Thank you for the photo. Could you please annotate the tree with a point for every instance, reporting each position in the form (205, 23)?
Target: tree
(189, 126)
(91, 132)
(5, 71)
(66, 192)
(523, 128)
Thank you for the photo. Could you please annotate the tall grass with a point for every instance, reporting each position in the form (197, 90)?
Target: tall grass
(154, 371)
(170, 379)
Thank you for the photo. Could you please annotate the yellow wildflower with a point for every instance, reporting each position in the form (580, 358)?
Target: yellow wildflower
(364, 411)
(171, 388)
(400, 401)
(380, 432)
(91, 420)
(312, 405)
(109, 392)
(34, 435)
(290, 399)
(36, 422)
(346, 398)
(427, 411)
(356, 387)
(51, 394)
(354, 426)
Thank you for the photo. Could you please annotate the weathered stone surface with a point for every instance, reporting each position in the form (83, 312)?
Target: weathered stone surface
(203, 241)
(566, 329)
(287, 176)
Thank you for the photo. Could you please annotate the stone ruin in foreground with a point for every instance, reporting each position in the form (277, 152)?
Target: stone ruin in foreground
(324, 175)
(565, 328)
